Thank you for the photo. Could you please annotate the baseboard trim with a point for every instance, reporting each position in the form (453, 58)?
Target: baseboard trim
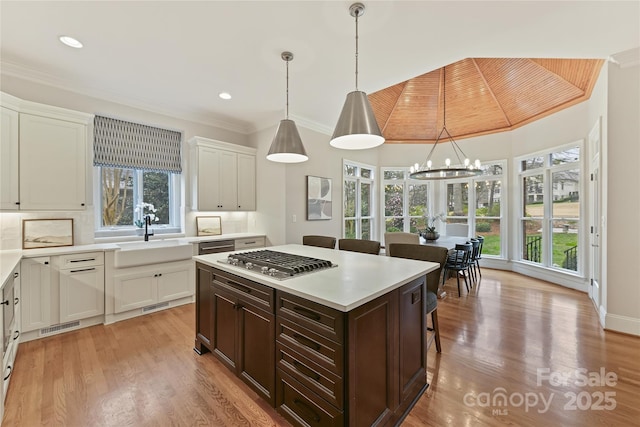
(624, 324)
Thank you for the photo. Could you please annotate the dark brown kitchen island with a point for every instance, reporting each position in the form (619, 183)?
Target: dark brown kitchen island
(338, 346)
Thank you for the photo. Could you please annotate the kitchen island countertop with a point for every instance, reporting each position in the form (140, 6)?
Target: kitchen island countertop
(358, 279)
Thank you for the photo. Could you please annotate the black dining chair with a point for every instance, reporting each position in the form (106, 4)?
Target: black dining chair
(426, 253)
(360, 245)
(458, 261)
(319, 241)
(475, 248)
(478, 256)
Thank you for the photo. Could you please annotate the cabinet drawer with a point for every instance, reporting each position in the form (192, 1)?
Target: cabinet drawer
(301, 407)
(325, 384)
(317, 348)
(251, 292)
(248, 243)
(87, 259)
(316, 317)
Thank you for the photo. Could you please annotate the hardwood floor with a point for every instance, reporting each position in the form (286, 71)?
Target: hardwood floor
(505, 338)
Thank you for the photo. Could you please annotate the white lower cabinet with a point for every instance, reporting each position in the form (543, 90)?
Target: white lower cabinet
(36, 293)
(10, 324)
(139, 287)
(62, 292)
(81, 293)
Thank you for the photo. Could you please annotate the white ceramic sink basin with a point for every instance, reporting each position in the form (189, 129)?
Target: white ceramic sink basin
(152, 252)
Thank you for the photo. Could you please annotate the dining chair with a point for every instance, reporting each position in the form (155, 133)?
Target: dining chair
(399, 237)
(319, 241)
(457, 229)
(478, 256)
(475, 248)
(426, 253)
(359, 245)
(458, 261)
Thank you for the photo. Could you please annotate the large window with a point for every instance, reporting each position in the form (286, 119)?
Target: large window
(405, 201)
(127, 195)
(136, 174)
(358, 201)
(550, 199)
(478, 203)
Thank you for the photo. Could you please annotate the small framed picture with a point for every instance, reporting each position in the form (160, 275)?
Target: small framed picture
(209, 225)
(47, 233)
(318, 198)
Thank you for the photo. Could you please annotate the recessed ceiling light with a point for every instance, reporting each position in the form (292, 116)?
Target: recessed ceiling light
(224, 95)
(71, 42)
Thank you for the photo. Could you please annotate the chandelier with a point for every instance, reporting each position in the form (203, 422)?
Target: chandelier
(463, 169)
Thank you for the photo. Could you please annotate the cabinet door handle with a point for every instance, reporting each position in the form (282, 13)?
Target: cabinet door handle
(415, 297)
(81, 270)
(307, 342)
(305, 312)
(306, 371)
(46, 263)
(17, 335)
(16, 300)
(307, 409)
(16, 275)
(81, 204)
(9, 374)
(17, 203)
(5, 302)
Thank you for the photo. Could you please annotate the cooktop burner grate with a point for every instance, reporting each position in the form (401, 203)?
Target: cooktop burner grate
(278, 264)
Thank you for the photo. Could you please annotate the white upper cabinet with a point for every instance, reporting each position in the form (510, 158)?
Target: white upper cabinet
(9, 197)
(45, 155)
(223, 176)
(52, 163)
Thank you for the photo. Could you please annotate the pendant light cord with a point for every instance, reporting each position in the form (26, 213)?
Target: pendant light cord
(356, 13)
(287, 109)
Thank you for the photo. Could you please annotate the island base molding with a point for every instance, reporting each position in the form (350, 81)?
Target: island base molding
(323, 367)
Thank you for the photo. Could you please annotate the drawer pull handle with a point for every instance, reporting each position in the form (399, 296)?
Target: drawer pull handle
(302, 405)
(306, 313)
(239, 286)
(249, 243)
(306, 371)
(209, 248)
(82, 260)
(9, 374)
(307, 342)
(80, 271)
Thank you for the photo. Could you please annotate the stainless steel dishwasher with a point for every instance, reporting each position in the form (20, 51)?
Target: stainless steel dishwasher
(216, 246)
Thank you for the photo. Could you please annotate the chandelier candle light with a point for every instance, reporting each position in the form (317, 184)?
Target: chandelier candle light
(464, 169)
(286, 146)
(357, 128)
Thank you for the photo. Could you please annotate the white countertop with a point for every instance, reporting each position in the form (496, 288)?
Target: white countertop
(358, 279)
(10, 258)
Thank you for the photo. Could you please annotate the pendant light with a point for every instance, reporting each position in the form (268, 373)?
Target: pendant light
(286, 146)
(357, 128)
(464, 169)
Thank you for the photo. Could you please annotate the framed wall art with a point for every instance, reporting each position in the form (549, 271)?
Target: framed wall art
(47, 233)
(318, 198)
(209, 225)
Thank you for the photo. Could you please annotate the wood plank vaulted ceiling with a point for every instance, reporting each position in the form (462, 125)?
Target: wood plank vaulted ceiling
(483, 96)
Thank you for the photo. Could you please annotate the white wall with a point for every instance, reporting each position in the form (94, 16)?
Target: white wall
(623, 204)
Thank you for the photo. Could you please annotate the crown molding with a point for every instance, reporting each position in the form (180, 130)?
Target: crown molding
(628, 58)
(35, 76)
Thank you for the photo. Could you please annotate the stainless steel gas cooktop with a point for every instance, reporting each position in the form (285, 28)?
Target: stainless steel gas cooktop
(279, 265)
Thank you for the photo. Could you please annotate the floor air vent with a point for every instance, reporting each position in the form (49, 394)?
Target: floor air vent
(52, 329)
(155, 307)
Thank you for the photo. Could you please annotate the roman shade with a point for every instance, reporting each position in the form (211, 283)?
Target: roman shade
(122, 144)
